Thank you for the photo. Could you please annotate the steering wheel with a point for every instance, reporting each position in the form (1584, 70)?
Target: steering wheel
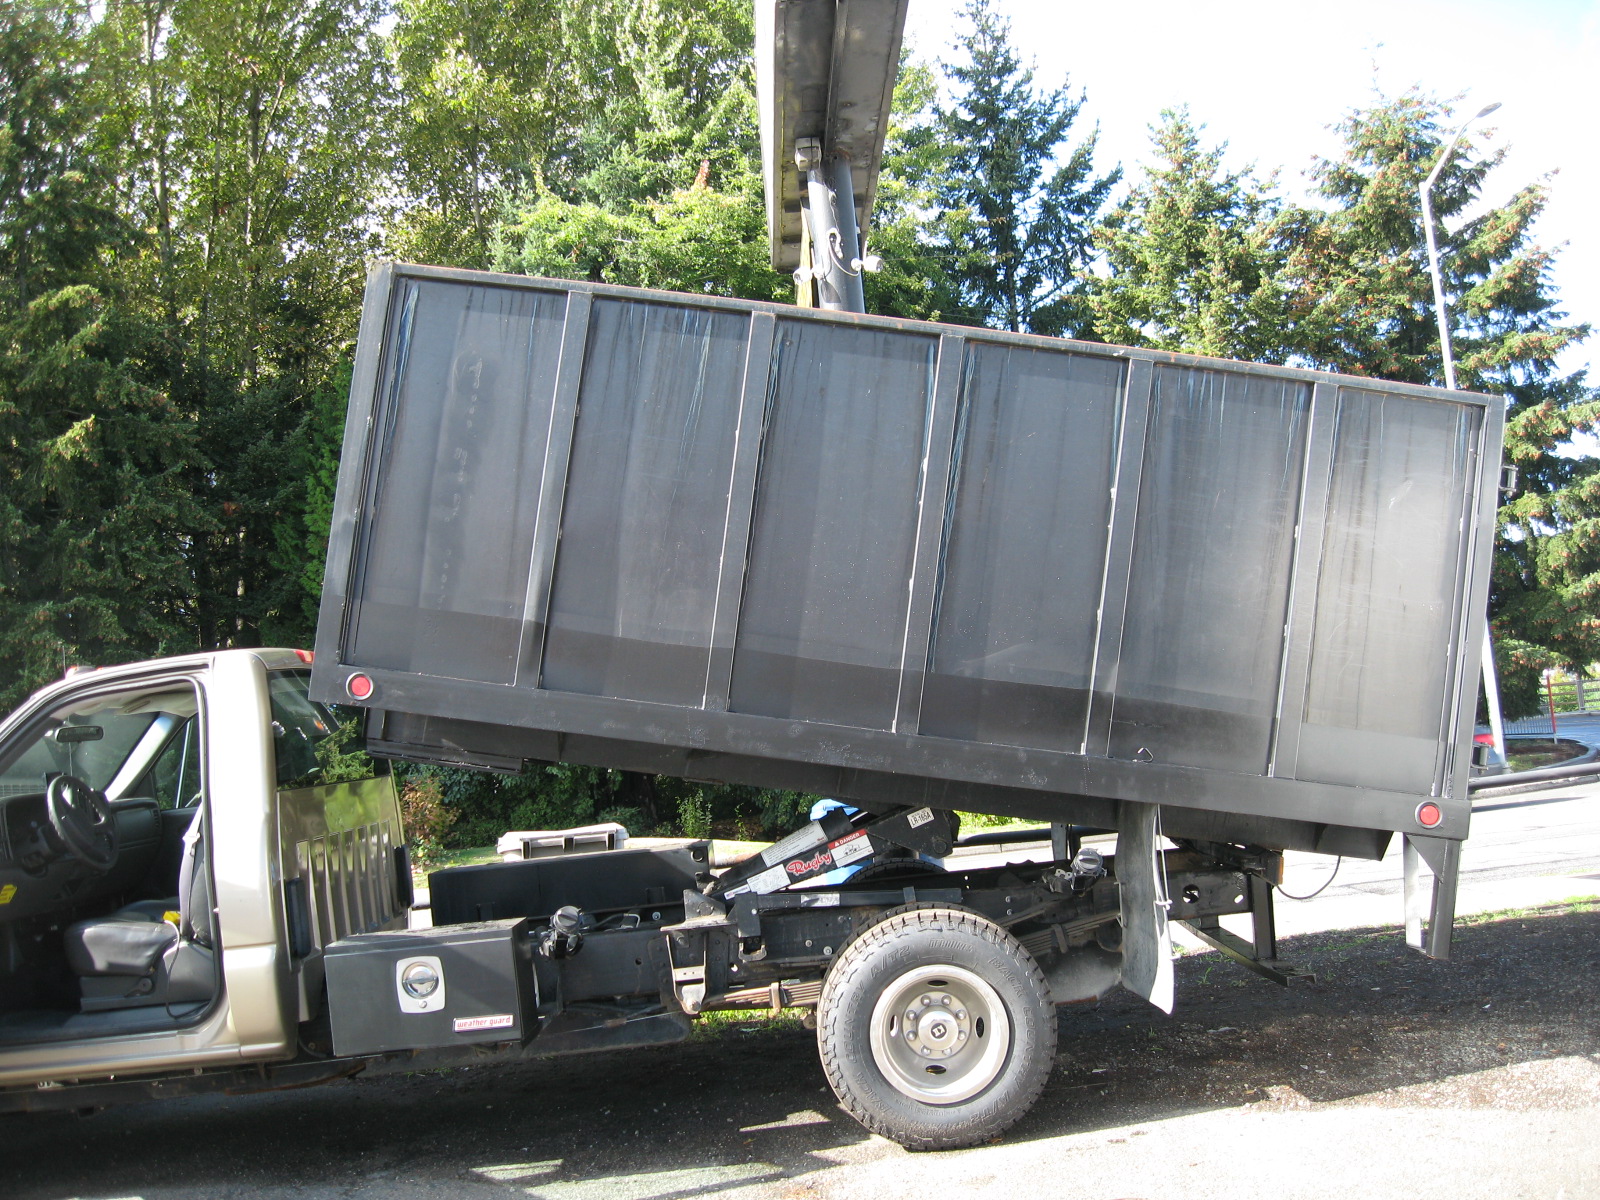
(82, 818)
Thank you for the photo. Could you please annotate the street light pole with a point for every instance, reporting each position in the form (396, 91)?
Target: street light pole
(1491, 682)
(1439, 308)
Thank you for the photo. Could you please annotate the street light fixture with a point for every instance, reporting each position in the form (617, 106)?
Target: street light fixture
(1491, 683)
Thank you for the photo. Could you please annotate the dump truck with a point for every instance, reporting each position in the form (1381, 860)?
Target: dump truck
(1184, 614)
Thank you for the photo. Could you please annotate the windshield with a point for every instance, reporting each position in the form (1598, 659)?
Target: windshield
(92, 738)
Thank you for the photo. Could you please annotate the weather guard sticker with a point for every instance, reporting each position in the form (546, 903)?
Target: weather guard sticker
(474, 1024)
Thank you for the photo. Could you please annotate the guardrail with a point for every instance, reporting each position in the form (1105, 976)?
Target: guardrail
(1562, 698)
(1587, 767)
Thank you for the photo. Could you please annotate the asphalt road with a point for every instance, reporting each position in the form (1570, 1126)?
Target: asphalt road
(1389, 1076)
(1527, 848)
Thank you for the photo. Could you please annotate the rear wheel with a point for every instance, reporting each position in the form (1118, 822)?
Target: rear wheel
(936, 1028)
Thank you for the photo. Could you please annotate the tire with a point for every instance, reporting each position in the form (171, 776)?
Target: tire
(958, 1077)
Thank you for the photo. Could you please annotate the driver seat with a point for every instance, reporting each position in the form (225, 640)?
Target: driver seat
(136, 957)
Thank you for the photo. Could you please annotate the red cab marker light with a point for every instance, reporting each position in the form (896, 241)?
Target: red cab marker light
(1428, 815)
(306, 656)
(359, 686)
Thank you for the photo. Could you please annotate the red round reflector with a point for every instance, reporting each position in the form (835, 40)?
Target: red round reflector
(359, 686)
(1429, 815)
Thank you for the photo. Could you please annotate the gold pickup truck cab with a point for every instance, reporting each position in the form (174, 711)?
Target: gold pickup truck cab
(179, 839)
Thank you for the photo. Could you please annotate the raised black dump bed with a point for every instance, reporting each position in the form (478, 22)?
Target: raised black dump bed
(907, 564)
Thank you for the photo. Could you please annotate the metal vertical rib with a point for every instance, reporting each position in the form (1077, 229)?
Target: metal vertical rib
(552, 489)
(1119, 555)
(741, 507)
(1479, 505)
(927, 565)
(1304, 576)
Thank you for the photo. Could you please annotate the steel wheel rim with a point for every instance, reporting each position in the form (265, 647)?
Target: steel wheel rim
(940, 1034)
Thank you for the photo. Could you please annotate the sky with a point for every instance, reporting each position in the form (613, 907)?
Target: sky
(1272, 77)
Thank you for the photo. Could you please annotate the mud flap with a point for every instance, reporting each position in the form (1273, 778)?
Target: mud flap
(1146, 936)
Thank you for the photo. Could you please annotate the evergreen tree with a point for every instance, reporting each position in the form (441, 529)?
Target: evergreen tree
(301, 535)
(1362, 294)
(491, 97)
(253, 141)
(914, 280)
(93, 500)
(1193, 264)
(662, 190)
(1018, 203)
(1545, 597)
(676, 87)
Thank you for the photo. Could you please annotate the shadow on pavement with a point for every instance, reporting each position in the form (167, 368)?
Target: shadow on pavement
(1379, 1016)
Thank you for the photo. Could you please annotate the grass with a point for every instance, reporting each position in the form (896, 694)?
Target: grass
(976, 822)
(750, 1022)
(1529, 754)
(474, 856)
(1575, 904)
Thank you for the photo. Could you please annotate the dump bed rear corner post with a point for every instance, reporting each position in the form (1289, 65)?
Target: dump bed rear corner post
(1441, 858)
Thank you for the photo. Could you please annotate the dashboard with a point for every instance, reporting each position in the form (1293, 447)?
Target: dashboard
(37, 877)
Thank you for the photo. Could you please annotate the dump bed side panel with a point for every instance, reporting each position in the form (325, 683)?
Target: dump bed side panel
(707, 531)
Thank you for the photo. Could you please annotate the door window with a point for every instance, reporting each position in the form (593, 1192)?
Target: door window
(314, 743)
(173, 780)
